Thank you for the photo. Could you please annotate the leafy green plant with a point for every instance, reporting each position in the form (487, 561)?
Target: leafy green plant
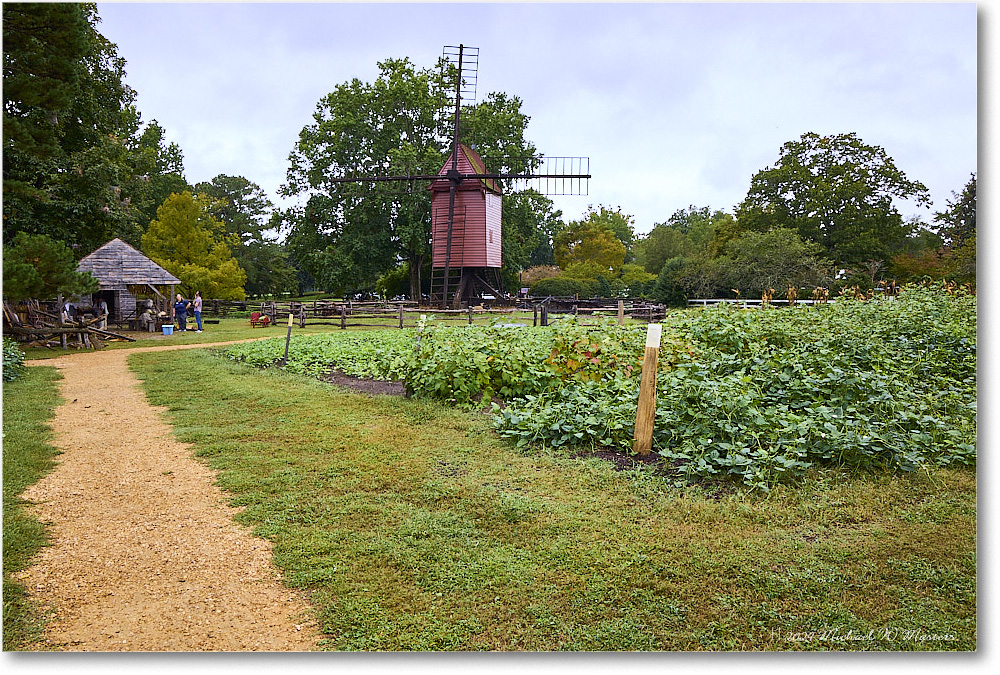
(13, 360)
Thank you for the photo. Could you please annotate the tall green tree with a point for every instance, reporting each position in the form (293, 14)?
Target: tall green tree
(590, 241)
(958, 225)
(70, 129)
(246, 213)
(347, 235)
(836, 191)
(757, 261)
(190, 243)
(37, 266)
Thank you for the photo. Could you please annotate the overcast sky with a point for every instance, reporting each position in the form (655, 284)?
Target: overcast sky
(674, 104)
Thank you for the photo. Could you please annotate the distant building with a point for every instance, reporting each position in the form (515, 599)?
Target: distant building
(126, 275)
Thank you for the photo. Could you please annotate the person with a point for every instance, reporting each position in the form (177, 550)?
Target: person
(180, 312)
(196, 305)
(101, 312)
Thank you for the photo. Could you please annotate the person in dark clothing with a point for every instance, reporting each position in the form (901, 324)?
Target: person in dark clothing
(180, 312)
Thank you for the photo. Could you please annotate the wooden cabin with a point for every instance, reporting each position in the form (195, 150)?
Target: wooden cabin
(475, 242)
(125, 276)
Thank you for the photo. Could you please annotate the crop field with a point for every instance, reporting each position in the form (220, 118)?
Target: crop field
(755, 395)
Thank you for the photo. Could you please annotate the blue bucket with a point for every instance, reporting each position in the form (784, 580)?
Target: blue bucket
(168, 330)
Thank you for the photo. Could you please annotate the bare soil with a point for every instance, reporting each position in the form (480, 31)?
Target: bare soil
(145, 553)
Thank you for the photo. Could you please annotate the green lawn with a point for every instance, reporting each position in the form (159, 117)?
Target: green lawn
(412, 527)
(28, 404)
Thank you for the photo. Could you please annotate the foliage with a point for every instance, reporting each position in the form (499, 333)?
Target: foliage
(35, 266)
(564, 286)
(836, 191)
(74, 166)
(190, 243)
(539, 272)
(528, 223)
(246, 212)
(13, 360)
(754, 262)
(591, 240)
(958, 221)
(760, 396)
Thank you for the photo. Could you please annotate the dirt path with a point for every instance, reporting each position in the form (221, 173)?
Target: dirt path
(145, 554)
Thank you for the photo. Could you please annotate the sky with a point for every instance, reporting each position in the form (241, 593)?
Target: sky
(675, 105)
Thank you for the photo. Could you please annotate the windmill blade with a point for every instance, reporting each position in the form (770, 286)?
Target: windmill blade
(554, 176)
(462, 63)
(558, 176)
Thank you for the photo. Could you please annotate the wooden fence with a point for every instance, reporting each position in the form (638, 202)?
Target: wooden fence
(403, 314)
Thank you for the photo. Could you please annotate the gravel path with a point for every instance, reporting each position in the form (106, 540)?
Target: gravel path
(146, 555)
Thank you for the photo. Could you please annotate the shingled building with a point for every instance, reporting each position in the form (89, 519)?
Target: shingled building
(124, 275)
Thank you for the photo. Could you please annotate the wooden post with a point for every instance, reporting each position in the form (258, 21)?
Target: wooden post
(645, 413)
(534, 320)
(343, 317)
(574, 311)
(545, 315)
(401, 317)
(621, 312)
(288, 338)
(470, 313)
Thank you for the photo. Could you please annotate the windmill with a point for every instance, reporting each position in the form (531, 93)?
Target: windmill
(466, 197)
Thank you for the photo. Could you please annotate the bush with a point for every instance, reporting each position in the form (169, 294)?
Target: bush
(13, 360)
(561, 287)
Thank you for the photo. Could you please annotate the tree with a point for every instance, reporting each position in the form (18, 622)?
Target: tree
(958, 225)
(346, 235)
(589, 241)
(757, 261)
(37, 266)
(247, 215)
(835, 191)
(958, 221)
(70, 169)
(190, 243)
(528, 223)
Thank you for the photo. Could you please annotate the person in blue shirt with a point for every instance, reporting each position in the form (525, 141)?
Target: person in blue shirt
(180, 312)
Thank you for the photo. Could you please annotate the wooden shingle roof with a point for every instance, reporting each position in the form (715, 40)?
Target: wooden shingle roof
(116, 265)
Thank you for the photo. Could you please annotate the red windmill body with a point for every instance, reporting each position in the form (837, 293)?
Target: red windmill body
(475, 250)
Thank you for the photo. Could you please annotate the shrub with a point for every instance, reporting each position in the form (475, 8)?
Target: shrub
(13, 360)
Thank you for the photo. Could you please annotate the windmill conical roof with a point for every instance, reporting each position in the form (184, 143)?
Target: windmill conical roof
(469, 162)
(116, 264)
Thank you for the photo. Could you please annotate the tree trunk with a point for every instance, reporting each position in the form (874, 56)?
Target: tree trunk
(416, 262)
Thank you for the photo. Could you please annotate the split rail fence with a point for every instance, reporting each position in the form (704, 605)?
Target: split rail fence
(404, 314)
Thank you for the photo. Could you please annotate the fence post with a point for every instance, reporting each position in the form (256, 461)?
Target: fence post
(470, 313)
(645, 413)
(534, 318)
(302, 315)
(343, 317)
(621, 312)
(288, 338)
(401, 317)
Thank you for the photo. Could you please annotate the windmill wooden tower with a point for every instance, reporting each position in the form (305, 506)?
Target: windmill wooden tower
(466, 236)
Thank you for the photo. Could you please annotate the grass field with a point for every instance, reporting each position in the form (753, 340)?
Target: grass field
(412, 527)
(28, 403)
